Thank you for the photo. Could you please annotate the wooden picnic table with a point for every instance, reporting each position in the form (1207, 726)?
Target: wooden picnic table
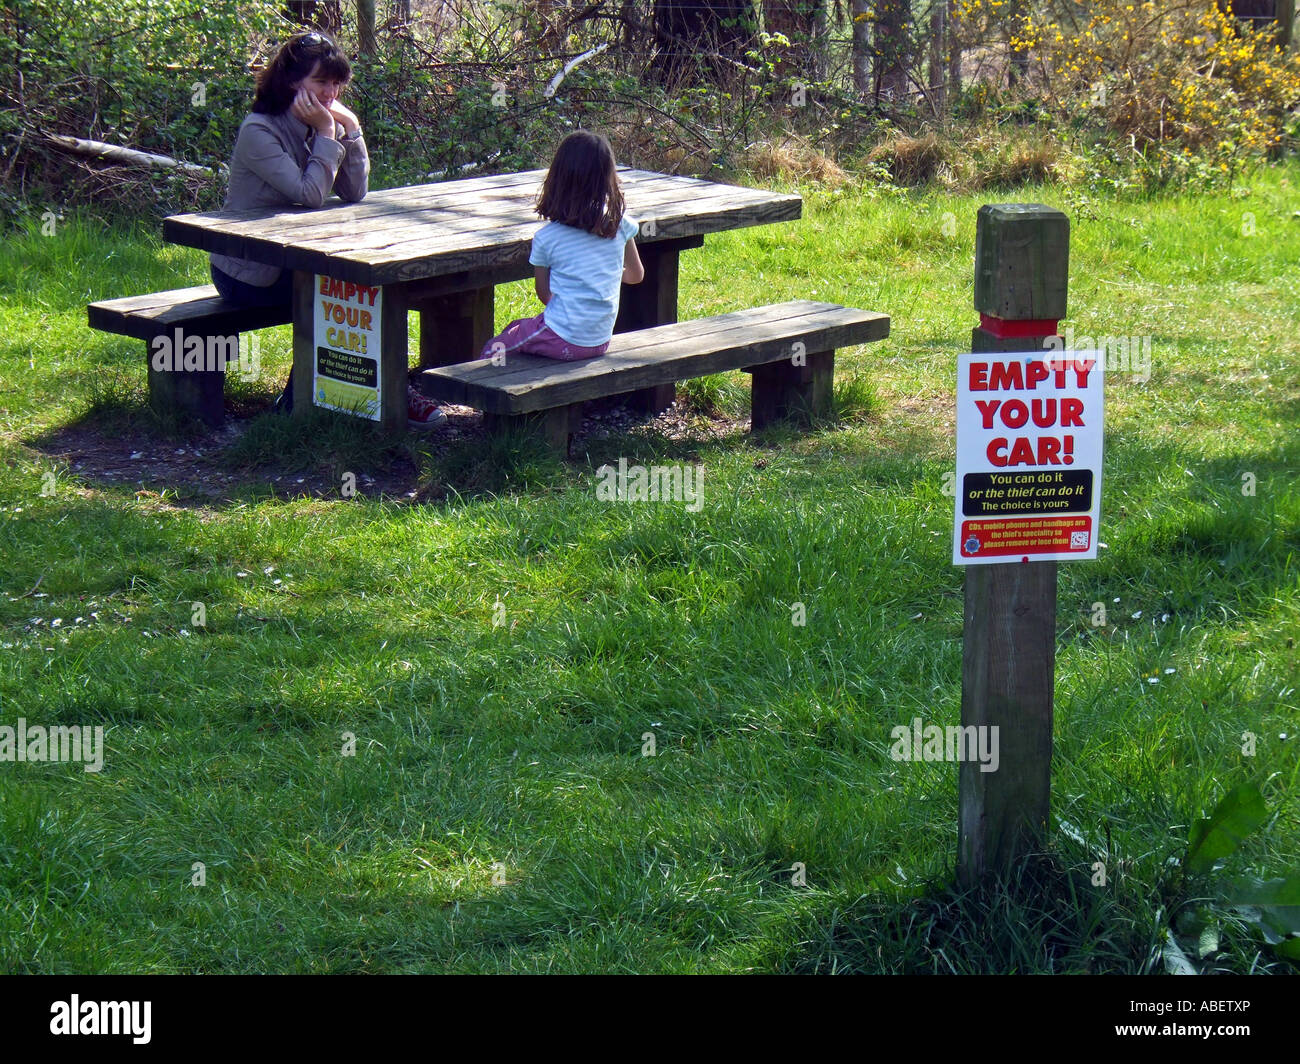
(440, 249)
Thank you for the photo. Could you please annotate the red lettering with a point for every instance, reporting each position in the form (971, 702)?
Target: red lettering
(365, 319)
(1007, 375)
(1044, 413)
(987, 408)
(995, 449)
(1049, 450)
(1035, 372)
(1014, 413)
(1071, 411)
(1021, 452)
(979, 377)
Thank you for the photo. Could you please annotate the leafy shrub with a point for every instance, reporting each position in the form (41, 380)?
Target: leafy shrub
(1174, 78)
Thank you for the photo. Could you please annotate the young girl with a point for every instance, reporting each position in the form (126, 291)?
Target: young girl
(581, 257)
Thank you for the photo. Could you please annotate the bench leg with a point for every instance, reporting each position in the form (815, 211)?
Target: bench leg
(556, 426)
(189, 393)
(781, 390)
(455, 327)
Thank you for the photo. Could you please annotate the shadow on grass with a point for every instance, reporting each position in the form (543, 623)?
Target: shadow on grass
(1044, 918)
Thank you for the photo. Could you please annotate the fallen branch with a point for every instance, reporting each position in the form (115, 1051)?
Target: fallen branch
(98, 149)
(549, 91)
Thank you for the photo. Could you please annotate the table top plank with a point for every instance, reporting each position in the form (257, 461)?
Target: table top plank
(315, 224)
(450, 227)
(425, 231)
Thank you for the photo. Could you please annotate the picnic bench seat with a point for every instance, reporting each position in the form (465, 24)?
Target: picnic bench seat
(198, 311)
(788, 348)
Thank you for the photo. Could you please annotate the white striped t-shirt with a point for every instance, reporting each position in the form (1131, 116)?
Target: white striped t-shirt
(586, 272)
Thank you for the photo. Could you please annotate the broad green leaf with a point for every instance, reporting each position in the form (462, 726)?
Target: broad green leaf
(1217, 836)
(1277, 900)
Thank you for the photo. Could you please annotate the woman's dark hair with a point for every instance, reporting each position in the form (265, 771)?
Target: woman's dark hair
(581, 187)
(295, 60)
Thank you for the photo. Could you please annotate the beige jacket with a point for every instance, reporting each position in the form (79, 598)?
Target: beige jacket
(279, 161)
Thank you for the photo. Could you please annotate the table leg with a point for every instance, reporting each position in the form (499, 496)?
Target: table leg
(455, 327)
(393, 364)
(394, 361)
(653, 302)
(304, 340)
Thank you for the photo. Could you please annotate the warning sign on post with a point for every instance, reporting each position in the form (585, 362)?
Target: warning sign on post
(1029, 448)
(347, 344)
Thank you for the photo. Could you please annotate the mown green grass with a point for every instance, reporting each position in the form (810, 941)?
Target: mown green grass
(498, 813)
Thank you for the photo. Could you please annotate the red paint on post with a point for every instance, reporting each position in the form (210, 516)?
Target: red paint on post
(1004, 328)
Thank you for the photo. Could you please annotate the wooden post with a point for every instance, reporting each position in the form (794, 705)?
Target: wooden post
(1009, 642)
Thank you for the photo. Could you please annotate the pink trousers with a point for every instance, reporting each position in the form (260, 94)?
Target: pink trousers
(532, 336)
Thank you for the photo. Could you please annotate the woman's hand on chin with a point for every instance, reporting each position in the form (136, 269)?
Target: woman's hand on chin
(344, 117)
(306, 108)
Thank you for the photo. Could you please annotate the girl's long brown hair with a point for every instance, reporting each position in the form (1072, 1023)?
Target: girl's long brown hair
(295, 60)
(581, 187)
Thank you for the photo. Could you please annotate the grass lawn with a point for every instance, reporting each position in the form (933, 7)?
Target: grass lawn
(500, 647)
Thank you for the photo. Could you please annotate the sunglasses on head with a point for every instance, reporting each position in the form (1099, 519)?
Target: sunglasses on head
(311, 44)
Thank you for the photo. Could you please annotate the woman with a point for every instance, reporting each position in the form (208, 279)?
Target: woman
(299, 144)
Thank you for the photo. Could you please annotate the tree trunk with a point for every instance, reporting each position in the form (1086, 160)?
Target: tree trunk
(861, 46)
(954, 53)
(938, 67)
(713, 30)
(1019, 68)
(893, 48)
(803, 24)
(322, 14)
(366, 42)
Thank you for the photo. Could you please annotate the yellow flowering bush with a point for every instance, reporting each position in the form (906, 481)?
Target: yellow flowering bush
(1176, 78)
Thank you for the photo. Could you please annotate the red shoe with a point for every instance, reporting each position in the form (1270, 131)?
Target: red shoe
(422, 413)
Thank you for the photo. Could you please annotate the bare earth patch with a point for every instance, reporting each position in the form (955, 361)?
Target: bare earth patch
(202, 472)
